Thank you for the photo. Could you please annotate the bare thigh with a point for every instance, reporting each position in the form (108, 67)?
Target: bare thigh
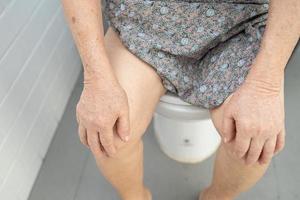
(217, 114)
(140, 81)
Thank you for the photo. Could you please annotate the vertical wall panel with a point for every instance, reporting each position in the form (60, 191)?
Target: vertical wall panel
(19, 54)
(12, 20)
(39, 65)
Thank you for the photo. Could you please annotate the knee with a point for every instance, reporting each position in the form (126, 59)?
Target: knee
(128, 147)
(138, 126)
(263, 158)
(123, 149)
(139, 120)
(137, 129)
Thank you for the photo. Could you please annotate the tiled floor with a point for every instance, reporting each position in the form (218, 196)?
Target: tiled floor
(69, 171)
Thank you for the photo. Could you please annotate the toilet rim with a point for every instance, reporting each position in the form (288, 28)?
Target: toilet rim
(170, 97)
(173, 107)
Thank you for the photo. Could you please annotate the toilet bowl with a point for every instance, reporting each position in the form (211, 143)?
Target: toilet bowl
(184, 132)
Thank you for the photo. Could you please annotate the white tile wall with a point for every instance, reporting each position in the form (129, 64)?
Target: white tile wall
(3, 5)
(39, 65)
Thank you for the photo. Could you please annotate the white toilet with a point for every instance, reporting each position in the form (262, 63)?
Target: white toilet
(184, 132)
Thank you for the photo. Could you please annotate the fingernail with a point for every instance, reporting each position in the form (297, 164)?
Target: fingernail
(126, 138)
(225, 140)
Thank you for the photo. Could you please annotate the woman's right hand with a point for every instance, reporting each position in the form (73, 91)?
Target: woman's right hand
(103, 102)
(102, 105)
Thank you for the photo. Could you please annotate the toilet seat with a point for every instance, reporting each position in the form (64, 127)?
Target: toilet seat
(171, 106)
(170, 97)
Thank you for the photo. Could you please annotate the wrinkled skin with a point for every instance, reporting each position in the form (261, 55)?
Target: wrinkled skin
(102, 105)
(253, 124)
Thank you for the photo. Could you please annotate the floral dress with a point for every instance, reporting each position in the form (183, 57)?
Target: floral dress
(201, 49)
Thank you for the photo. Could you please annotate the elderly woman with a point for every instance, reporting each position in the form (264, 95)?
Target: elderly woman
(225, 55)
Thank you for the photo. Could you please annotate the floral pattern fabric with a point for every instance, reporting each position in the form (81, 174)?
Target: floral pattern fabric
(201, 49)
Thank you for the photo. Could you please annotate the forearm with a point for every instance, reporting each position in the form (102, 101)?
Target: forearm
(85, 22)
(280, 38)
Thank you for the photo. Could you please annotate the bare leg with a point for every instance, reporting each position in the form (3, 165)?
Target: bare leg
(144, 89)
(231, 175)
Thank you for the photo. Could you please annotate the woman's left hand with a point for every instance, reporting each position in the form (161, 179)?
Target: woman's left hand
(254, 123)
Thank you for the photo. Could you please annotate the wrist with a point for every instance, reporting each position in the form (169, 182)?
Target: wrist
(98, 74)
(266, 77)
(98, 69)
(263, 87)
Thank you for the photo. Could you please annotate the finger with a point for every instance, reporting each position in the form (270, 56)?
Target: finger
(228, 128)
(94, 142)
(268, 150)
(77, 115)
(101, 146)
(77, 119)
(83, 135)
(255, 149)
(123, 125)
(280, 142)
(241, 145)
(106, 139)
